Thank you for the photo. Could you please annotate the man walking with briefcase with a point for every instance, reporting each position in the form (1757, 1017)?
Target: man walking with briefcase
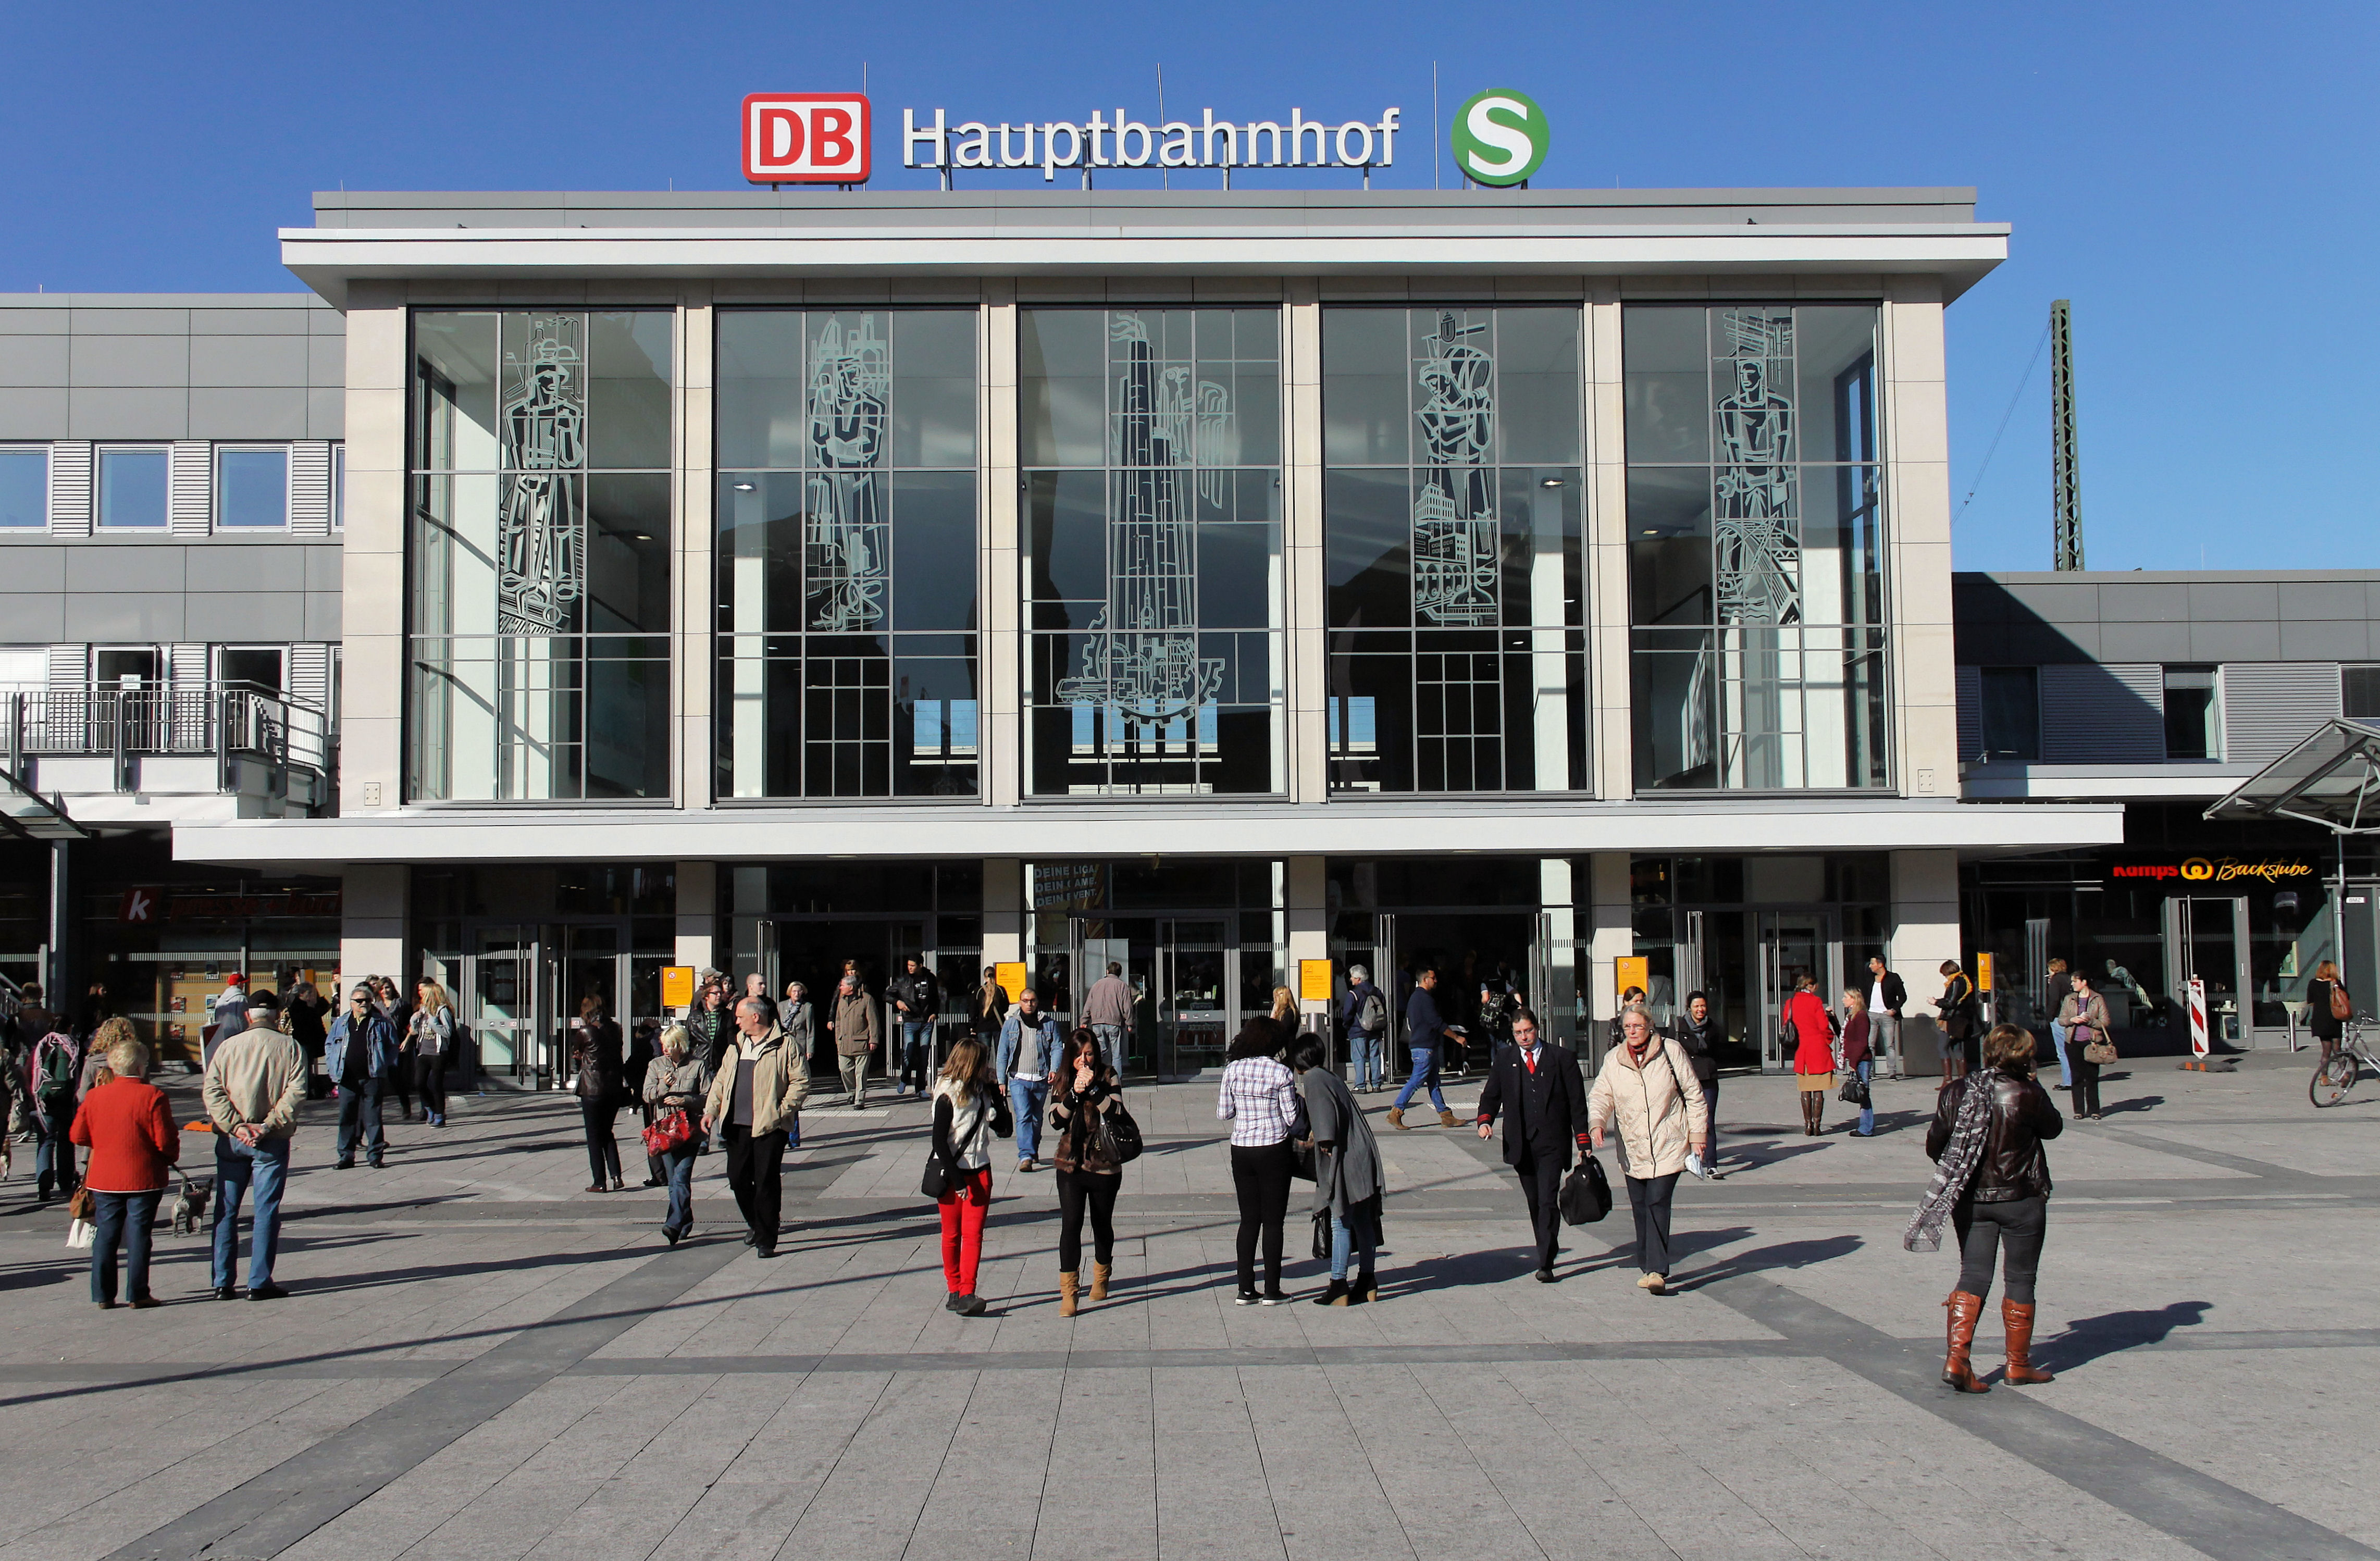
(1538, 1088)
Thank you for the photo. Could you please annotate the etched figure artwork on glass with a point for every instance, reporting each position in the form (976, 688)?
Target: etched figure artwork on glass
(1152, 444)
(846, 553)
(1452, 438)
(849, 560)
(538, 555)
(543, 535)
(1756, 546)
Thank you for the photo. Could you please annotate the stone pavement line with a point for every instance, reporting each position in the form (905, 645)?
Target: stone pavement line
(2191, 1506)
(266, 1515)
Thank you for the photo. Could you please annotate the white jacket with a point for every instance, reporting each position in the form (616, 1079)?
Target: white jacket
(1660, 1108)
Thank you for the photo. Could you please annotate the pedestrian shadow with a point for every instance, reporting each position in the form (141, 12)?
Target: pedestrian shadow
(1623, 1253)
(2088, 1338)
(1806, 1253)
(2136, 1103)
(1761, 1156)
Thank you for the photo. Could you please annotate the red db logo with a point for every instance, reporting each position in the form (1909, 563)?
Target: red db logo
(805, 138)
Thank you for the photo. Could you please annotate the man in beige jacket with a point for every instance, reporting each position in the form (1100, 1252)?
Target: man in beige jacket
(857, 1036)
(253, 1085)
(754, 1103)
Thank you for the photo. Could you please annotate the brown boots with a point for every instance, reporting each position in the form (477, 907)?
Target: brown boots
(1965, 1310)
(1070, 1287)
(2017, 1317)
(1397, 1119)
(1068, 1283)
(1813, 1116)
(1445, 1119)
(1100, 1275)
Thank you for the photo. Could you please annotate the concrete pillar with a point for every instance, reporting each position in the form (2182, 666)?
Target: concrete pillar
(697, 914)
(1916, 449)
(690, 635)
(1614, 935)
(1306, 581)
(58, 979)
(1004, 910)
(1309, 924)
(1610, 753)
(372, 553)
(1924, 933)
(374, 936)
(999, 716)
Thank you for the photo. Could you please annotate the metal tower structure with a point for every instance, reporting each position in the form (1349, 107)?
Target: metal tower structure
(2065, 481)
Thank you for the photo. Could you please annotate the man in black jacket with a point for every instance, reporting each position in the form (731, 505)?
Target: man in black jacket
(1538, 1087)
(916, 998)
(1886, 998)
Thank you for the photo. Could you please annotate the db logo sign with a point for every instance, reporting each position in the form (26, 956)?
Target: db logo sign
(805, 138)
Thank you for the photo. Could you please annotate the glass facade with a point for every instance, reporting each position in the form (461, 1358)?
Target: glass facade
(538, 555)
(846, 553)
(1451, 503)
(1755, 526)
(1151, 447)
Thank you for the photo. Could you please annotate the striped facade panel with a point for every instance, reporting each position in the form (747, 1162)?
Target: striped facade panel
(309, 488)
(2270, 706)
(69, 667)
(309, 675)
(186, 662)
(70, 487)
(1971, 713)
(190, 490)
(2103, 714)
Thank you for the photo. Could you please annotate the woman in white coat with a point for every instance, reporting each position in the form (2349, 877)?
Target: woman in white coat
(1646, 1088)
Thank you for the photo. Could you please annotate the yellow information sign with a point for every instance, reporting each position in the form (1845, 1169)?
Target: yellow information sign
(1631, 970)
(1314, 981)
(1010, 974)
(1983, 973)
(677, 985)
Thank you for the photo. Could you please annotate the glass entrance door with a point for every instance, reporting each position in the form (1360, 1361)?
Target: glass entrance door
(500, 994)
(2207, 936)
(1791, 943)
(1195, 983)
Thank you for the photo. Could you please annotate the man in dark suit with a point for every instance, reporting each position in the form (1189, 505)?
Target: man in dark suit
(1537, 1087)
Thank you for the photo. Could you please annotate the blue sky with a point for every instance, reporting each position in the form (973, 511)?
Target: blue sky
(2198, 178)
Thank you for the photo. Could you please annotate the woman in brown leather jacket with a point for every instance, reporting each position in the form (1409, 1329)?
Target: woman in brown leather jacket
(2006, 1200)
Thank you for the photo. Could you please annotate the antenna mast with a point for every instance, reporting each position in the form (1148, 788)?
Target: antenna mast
(2065, 479)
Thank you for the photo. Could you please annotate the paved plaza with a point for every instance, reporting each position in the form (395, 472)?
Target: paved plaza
(480, 1359)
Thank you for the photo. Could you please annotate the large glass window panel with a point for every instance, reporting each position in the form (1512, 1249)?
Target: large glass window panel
(132, 485)
(1479, 564)
(1153, 539)
(2011, 712)
(251, 487)
(1755, 507)
(846, 553)
(538, 555)
(25, 487)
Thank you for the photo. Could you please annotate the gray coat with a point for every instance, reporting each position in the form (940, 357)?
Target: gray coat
(1347, 1183)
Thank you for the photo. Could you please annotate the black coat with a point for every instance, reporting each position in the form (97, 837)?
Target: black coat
(1896, 994)
(1700, 1042)
(1555, 1097)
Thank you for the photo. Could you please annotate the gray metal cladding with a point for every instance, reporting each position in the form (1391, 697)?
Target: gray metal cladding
(2092, 714)
(2269, 706)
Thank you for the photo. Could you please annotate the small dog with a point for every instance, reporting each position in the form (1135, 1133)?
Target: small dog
(190, 1205)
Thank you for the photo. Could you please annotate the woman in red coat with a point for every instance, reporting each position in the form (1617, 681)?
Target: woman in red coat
(1814, 1052)
(132, 1139)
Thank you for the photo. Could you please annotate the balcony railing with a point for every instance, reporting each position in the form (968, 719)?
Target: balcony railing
(227, 721)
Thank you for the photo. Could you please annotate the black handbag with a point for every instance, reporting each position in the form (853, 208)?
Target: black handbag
(1586, 1194)
(1123, 1133)
(936, 1182)
(1322, 1234)
(1855, 1091)
(1301, 1157)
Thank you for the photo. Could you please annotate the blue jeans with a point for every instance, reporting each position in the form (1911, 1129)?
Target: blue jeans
(361, 1103)
(916, 1055)
(1867, 1112)
(1364, 1052)
(54, 1160)
(237, 1166)
(1111, 1038)
(2058, 1034)
(1343, 1241)
(1029, 1098)
(1425, 1069)
(678, 1164)
(123, 1217)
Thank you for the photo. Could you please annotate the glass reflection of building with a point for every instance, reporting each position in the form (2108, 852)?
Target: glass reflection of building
(1451, 503)
(539, 567)
(846, 553)
(1756, 527)
(1150, 440)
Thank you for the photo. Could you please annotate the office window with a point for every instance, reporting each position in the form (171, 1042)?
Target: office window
(24, 667)
(1756, 536)
(132, 486)
(251, 489)
(539, 553)
(1151, 443)
(2011, 713)
(846, 553)
(2193, 714)
(24, 489)
(258, 665)
(2358, 693)
(1450, 530)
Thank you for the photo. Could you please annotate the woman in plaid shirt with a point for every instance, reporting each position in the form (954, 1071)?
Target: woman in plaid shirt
(1259, 1099)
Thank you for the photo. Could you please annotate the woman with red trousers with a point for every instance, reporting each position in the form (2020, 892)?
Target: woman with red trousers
(969, 1111)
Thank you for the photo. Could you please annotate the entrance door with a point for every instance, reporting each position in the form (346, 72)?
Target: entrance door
(1194, 990)
(2206, 939)
(588, 964)
(1791, 942)
(499, 993)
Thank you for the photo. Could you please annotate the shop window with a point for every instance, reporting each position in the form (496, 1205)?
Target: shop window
(2194, 715)
(846, 553)
(2011, 713)
(251, 489)
(539, 556)
(1450, 525)
(1756, 536)
(132, 485)
(2358, 693)
(1151, 442)
(24, 490)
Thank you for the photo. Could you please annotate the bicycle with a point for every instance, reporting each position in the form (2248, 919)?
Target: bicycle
(2342, 1065)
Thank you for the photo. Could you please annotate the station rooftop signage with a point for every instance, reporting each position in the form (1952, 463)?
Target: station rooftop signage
(1095, 141)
